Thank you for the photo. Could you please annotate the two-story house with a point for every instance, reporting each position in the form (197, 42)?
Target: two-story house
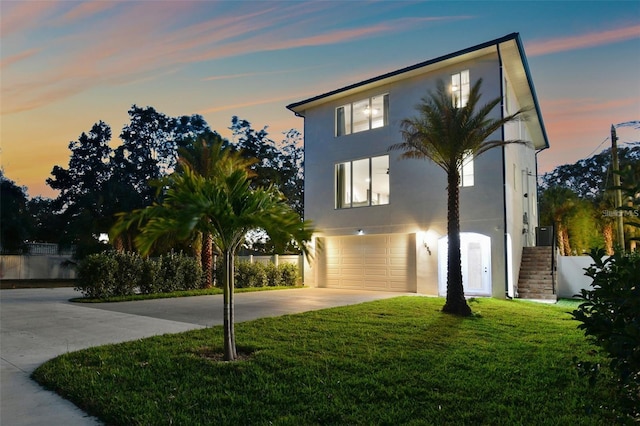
(381, 220)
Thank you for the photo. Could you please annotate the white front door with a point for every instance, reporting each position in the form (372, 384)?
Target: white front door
(475, 250)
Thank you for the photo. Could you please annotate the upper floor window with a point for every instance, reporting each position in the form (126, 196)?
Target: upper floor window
(362, 182)
(359, 116)
(460, 88)
(466, 170)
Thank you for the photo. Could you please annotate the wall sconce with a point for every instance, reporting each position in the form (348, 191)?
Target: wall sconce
(360, 232)
(427, 247)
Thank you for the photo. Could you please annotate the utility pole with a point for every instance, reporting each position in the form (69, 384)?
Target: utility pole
(616, 184)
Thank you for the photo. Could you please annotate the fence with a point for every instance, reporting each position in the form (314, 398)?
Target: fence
(42, 267)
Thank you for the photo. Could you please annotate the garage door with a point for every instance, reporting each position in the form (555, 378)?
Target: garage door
(372, 262)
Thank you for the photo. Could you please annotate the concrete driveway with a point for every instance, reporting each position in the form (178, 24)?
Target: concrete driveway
(39, 324)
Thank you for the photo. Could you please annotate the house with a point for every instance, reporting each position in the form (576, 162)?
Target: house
(383, 220)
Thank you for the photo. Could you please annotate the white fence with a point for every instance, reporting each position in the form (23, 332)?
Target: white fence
(43, 267)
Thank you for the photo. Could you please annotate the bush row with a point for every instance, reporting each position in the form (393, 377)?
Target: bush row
(260, 274)
(114, 273)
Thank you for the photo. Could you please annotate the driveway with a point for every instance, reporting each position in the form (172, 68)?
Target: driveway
(39, 324)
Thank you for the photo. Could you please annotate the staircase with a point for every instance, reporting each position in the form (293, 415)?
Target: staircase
(536, 280)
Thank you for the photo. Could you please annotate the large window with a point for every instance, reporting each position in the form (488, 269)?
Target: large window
(466, 170)
(362, 182)
(359, 116)
(460, 88)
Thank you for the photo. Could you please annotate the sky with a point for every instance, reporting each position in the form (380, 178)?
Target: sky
(65, 65)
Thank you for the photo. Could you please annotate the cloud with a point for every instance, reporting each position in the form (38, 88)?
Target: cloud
(583, 41)
(85, 10)
(90, 48)
(5, 62)
(24, 15)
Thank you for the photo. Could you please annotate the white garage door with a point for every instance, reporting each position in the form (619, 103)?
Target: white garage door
(372, 262)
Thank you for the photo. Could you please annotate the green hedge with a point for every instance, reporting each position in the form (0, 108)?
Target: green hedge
(110, 274)
(113, 273)
(260, 275)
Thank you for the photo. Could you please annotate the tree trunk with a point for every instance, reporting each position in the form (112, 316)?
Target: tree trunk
(560, 238)
(229, 332)
(607, 233)
(565, 239)
(456, 303)
(207, 259)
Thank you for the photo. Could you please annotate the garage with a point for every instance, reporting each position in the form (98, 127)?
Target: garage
(369, 262)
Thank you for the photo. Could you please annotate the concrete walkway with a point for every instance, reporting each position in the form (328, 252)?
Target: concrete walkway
(39, 324)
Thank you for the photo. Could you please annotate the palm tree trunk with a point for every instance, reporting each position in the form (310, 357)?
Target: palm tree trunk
(565, 239)
(229, 332)
(456, 303)
(607, 232)
(207, 259)
(560, 238)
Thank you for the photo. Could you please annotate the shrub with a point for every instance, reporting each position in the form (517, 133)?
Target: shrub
(288, 274)
(274, 274)
(179, 272)
(95, 275)
(250, 274)
(610, 316)
(111, 274)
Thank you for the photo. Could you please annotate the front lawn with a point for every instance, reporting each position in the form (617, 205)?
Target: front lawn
(394, 361)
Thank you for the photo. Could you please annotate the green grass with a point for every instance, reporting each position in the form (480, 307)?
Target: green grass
(388, 362)
(182, 293)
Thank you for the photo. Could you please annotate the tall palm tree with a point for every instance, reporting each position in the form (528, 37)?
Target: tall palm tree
(226, 207)
(446, 135)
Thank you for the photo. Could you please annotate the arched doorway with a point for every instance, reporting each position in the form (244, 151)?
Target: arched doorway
(476, 264)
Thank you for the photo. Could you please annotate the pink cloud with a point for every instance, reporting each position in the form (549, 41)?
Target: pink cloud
(18, 57)
(24, 15)
(583, 41)
(85, 10)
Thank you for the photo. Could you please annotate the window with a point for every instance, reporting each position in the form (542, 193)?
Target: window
(460, 88)
(466, 171)
(370, 113)
(362, 182)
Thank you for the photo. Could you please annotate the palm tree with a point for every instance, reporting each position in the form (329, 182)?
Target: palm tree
(225, 206)
(557, 205)
(446, 135)
(206, 157)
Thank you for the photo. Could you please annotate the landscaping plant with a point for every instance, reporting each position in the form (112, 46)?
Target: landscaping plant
(610, 316)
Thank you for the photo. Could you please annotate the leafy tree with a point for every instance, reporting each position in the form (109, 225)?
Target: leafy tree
(226, 206)
(590, 178)
(14, 226)
(281, 165)
(45, 223)
(81, 201)
(445, 135)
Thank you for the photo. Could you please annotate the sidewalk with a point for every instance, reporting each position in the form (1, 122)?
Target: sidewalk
(39, 324)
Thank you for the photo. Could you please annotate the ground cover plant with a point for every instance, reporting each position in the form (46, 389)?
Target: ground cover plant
(394, 361)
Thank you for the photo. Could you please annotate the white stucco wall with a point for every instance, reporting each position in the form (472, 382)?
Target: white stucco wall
(571, 278)
(418, 194)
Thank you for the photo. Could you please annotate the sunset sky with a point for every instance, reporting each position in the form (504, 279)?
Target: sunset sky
(67, 64)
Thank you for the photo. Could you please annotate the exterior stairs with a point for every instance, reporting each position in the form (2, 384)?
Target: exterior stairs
(537, 274)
